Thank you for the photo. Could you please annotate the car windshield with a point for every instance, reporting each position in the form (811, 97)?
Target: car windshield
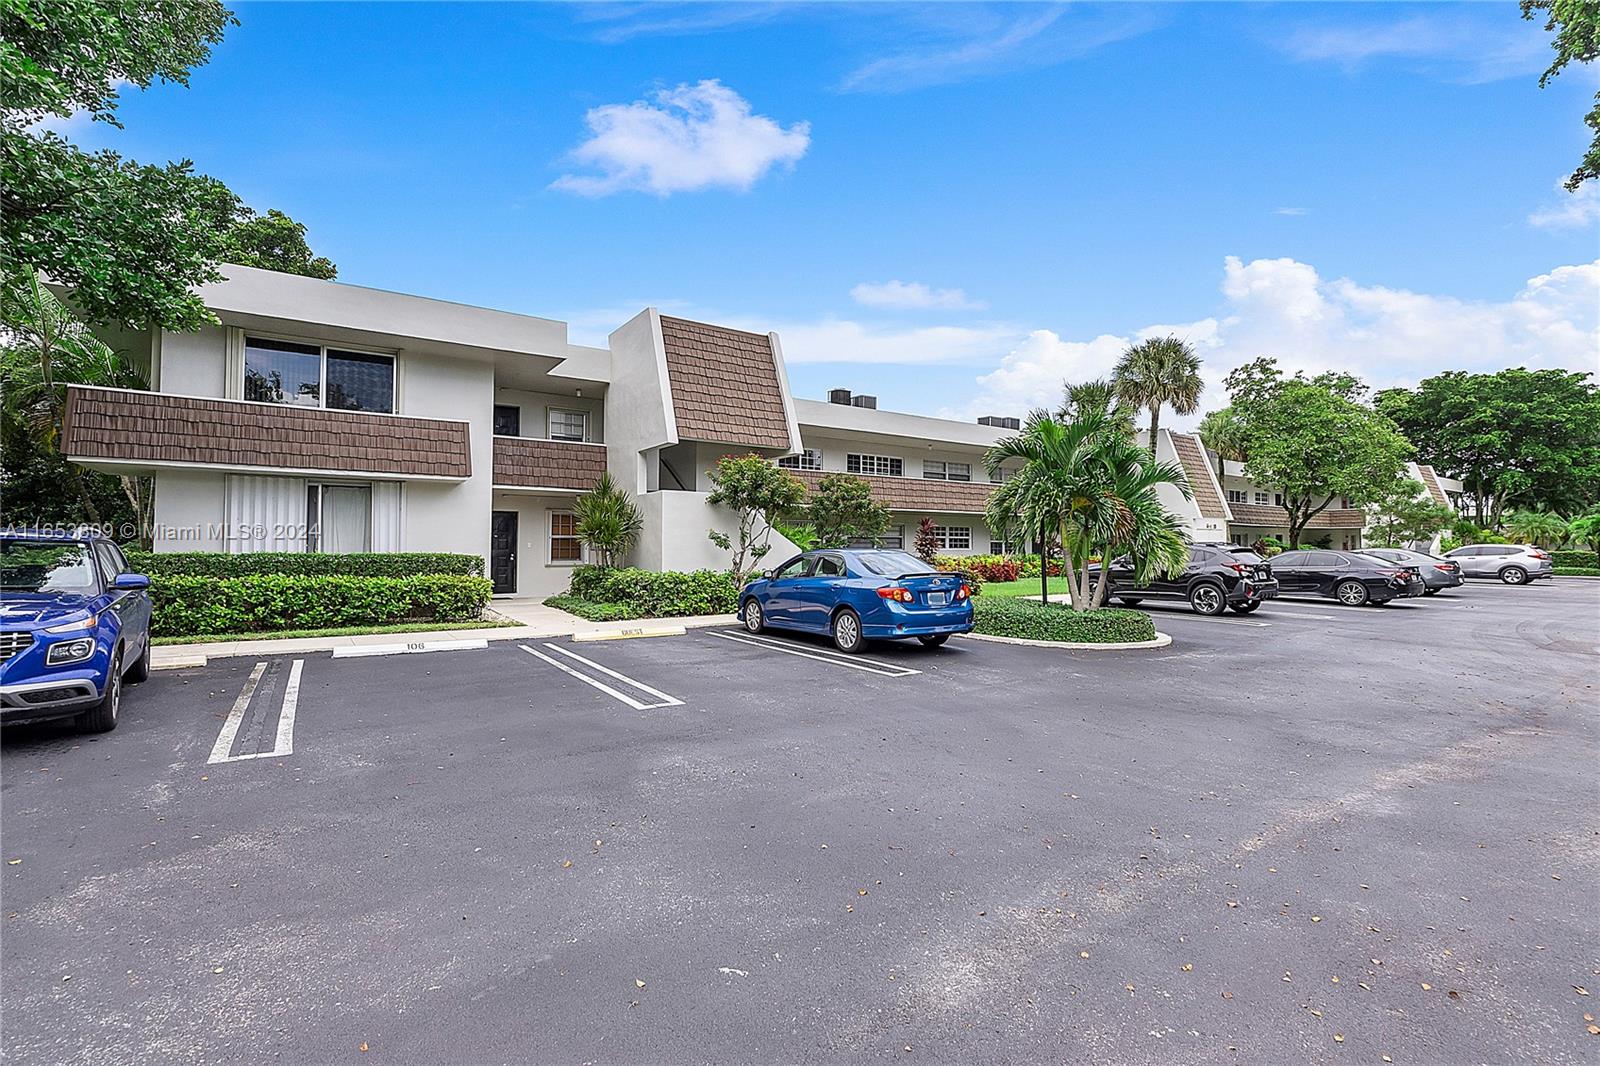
(893, 564)
(46, 566)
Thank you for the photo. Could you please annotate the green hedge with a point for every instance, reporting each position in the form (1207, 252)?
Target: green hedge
(1012, 617)
(305, 564)
(594, 612)
(1575, 557)
(652, 593)
(187, 605)
(1577, 571)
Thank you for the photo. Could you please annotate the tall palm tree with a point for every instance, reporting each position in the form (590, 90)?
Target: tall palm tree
(1161, 371)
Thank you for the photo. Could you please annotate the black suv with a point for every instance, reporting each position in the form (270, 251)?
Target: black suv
(1219, 576)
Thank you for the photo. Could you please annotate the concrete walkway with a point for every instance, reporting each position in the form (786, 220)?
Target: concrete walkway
(533, 619)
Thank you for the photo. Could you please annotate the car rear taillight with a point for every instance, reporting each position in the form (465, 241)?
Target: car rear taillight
(1238, 568)
(963, 592)
(1446, 567)
(1539, 555)
(894, 592)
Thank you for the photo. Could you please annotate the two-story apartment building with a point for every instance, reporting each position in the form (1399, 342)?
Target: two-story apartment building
(320, 416)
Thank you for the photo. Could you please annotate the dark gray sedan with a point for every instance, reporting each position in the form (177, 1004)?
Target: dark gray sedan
(1436, 573)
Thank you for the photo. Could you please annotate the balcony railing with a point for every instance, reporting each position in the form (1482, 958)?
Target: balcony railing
(124, 427)
(534, 463)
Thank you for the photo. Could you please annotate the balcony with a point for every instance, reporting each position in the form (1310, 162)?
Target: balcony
(129, 429)
(533, 463)
(916, 494)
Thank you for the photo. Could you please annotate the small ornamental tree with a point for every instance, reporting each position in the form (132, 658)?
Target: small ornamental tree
(758, 493)
(1406, 515)
(927, 543)
(842, 510)
(608, 522)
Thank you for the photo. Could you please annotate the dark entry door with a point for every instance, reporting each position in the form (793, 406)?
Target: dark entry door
(503, 551)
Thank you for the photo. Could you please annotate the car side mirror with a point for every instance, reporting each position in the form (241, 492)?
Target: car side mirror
(766, 575)
(130, 582)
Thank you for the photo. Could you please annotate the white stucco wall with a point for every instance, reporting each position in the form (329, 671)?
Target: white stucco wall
(535, 407)
(190, 510)
(675, 533)
(536, 574)
(450, 516)
(638, 412)
(192, 364)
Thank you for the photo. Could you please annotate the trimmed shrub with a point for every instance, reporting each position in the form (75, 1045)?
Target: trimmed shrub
(189, 605)
(655, 594)
(1577, 571)
(1580, 557)
(1027, 619)
(304, 564)
(983, 567)
(594, 612)
(1030, 567)
(952, 564)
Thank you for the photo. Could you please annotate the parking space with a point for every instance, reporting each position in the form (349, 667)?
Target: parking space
(634, 850)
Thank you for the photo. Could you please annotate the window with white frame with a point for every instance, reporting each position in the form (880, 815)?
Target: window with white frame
(810, 459)
(1008, 547)
(1263, 497)
(338, 518)
(935, 470)
(568, 425)
(953, 538)
(565, 544)
(882, 465)
(893, 537)
(312, 375)
(1005, 475)
(1238, 496)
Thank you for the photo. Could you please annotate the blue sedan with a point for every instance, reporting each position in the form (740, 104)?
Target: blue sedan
(859, 594)
(74, 624)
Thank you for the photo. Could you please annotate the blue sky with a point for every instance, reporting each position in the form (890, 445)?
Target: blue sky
(952, 206)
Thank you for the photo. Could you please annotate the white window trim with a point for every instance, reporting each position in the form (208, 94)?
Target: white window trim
(548, 435)
(808, 459)
(321, 486)
(236, 386)
(875, 459)
(550, 540)
(942, 537)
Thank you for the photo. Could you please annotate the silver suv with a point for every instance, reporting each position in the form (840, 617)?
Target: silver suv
(1515, 564)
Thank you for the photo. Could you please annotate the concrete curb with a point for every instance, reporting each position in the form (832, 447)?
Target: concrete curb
(1161, 641)
(182, 656)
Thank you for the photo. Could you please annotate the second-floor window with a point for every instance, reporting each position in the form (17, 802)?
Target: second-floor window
(934, 470)
(569, 425)
(1238, 496)
(311, 375)
(1263, 498)
(882, 465)
(507, 420)
(810, 459)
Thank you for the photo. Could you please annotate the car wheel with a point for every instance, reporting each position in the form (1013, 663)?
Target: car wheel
(140, 670)
(1514, 575)
(102, 717)
(1430, 592)
(1246, 608)
(1352, 593)
(933, 640)
(1130, 601)
(1207, 599)
(754, 620)
(847, 632)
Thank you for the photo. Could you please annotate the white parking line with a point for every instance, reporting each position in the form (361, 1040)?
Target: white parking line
(664, 699)
(283, 739)
(853, 662)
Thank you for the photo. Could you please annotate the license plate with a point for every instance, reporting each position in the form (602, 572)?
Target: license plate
(938, 599)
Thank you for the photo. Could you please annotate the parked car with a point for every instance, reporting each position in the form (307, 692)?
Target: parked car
(856, 595)
(1218, 577)
(1351, 577)
(74, 625)
(1515, 564)
(1437, 574)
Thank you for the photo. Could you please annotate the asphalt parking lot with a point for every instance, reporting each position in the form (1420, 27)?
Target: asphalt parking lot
(1317, 834)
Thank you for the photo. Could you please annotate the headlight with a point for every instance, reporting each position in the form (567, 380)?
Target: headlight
(69, 651)
(79, 626)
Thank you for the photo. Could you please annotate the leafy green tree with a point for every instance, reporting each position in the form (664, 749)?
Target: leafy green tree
(759, 494)
(608, 522)
(1516, 438)
(1313, 440)
(1585, 529)
(1086, 482)
(129, 241)
(1543, 528)
(842, 510)
(273, 241)
(1576, 25)
(1159, 372)
(1405, 514)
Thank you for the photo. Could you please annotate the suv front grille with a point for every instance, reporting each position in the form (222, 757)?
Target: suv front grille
(12, 643)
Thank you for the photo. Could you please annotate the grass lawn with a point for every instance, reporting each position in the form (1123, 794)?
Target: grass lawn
(1025, 587)
(346, 631)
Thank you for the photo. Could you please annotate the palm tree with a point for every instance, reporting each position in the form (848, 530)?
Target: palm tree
(1087, 482)
(608, 522)
(1156, 372)
(1545, 528)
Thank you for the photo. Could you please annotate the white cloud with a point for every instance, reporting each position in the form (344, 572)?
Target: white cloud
(684, 139)
(1571, 210)
(1293, 212)
(1285, 309)
(1465, 45)
(842, 341)
(912, 295)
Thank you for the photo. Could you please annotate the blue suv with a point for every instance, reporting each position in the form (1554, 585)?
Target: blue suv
(74, 624)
